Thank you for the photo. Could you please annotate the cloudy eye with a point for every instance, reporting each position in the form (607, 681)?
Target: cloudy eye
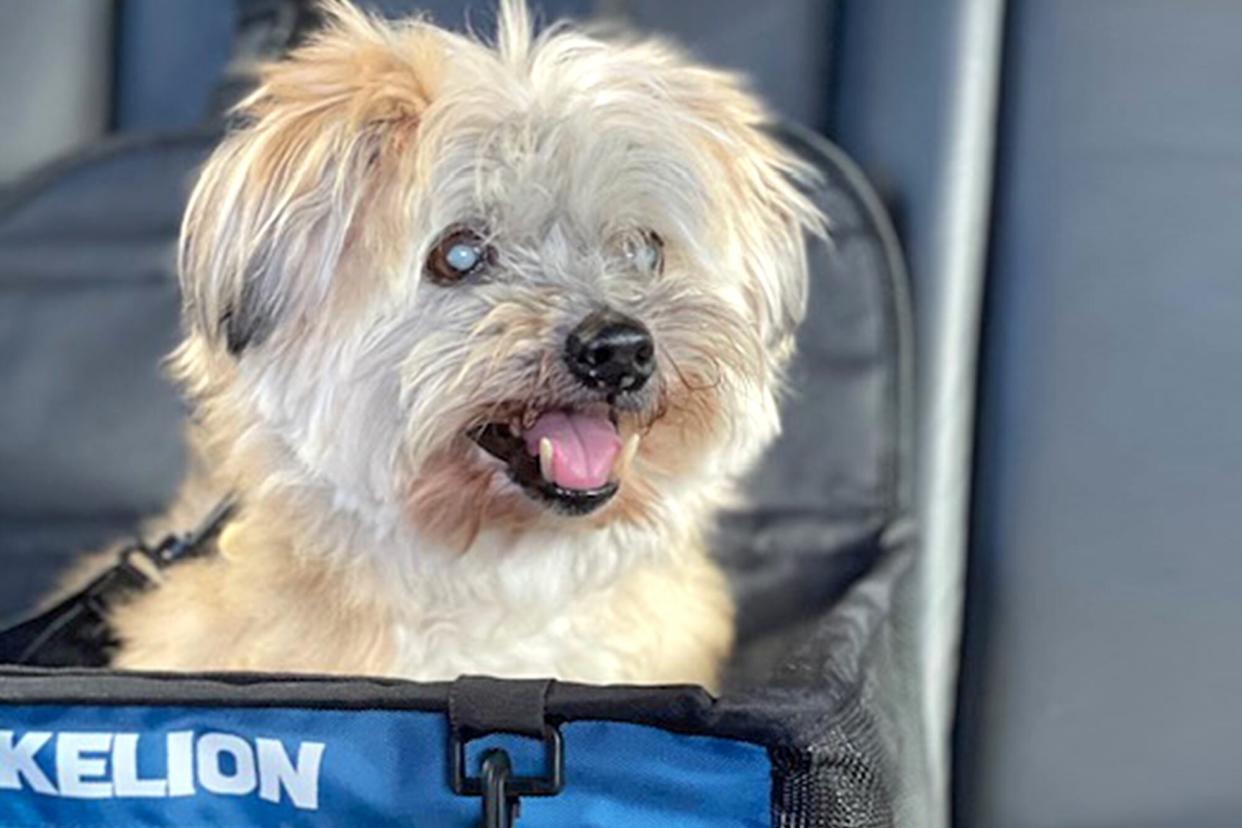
(645, 251)
(457, 254)
(463, 257)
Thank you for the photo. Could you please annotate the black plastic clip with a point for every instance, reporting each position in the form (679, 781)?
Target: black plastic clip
(496, 784)
(549, 784)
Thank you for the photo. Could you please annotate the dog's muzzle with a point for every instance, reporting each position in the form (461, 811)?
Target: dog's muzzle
(571, 457)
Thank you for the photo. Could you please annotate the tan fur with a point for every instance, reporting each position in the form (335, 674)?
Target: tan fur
(333, 387)
(268, 609)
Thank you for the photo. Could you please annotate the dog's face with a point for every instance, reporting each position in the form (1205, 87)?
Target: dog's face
(555, 280)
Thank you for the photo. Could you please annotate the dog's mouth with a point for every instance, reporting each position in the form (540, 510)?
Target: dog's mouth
(569, 459)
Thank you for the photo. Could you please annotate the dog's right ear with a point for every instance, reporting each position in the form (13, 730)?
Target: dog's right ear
(274, 207)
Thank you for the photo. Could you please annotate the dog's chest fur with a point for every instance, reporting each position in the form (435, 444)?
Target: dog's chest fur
(574, 607)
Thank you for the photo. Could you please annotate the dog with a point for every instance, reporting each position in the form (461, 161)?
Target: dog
(482, 335)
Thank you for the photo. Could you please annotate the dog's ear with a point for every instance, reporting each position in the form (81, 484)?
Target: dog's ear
(764, 185)
(277, 202)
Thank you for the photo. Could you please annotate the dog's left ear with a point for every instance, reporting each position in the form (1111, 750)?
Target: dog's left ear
(278, 201)
(764, 183)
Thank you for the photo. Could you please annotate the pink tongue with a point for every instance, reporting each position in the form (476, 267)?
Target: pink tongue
(583, 447)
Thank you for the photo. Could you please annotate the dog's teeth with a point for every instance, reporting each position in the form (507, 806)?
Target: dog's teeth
(545, 459)
(515, 427)
(626, 456)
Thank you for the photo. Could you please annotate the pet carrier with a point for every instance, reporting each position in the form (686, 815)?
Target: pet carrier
(817, 724)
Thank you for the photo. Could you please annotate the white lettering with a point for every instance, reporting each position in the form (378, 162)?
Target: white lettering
(181, 763)
(125, 780)
(17, 762)
(300, 781)
(73, 766)
(211, 772)
(98, 765)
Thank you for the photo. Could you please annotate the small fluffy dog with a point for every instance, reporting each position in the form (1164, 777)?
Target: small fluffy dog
(482, 336)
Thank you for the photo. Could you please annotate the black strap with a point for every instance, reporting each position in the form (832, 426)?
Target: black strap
(479, 705)
(75, 631)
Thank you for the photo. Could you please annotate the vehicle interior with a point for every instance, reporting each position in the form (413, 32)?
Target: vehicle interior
(1062, 180)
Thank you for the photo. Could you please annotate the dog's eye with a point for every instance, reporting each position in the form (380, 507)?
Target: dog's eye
(459, 253)
(645, 251)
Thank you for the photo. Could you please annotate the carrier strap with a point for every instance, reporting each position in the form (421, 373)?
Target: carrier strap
(75, 631)
(480, 704)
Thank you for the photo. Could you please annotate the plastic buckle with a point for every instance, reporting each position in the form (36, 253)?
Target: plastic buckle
(497, 785)
(123, 578)
(549, 784)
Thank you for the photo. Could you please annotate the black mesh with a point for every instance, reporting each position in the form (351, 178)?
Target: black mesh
(839, 788)
(821, 568)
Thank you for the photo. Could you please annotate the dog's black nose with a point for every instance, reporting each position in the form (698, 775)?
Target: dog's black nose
(611, 352)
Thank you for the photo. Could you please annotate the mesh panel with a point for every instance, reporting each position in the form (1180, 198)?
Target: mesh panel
(840, 788)
(841, 768)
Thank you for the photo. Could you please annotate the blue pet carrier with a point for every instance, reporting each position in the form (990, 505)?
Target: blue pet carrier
(818, 721)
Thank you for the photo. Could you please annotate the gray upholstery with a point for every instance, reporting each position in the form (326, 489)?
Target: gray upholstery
(170, 55)
(168, 61)
(88, 307)
(785, 47)
(55, 80)
(917, 87)
(1103, 681)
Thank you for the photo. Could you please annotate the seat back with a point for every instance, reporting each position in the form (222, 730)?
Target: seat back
(1101, 675)
(88, 308)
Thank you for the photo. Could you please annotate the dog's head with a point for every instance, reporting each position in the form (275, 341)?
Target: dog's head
(550, 279)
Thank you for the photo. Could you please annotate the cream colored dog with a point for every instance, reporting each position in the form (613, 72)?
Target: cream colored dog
(482, 337)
